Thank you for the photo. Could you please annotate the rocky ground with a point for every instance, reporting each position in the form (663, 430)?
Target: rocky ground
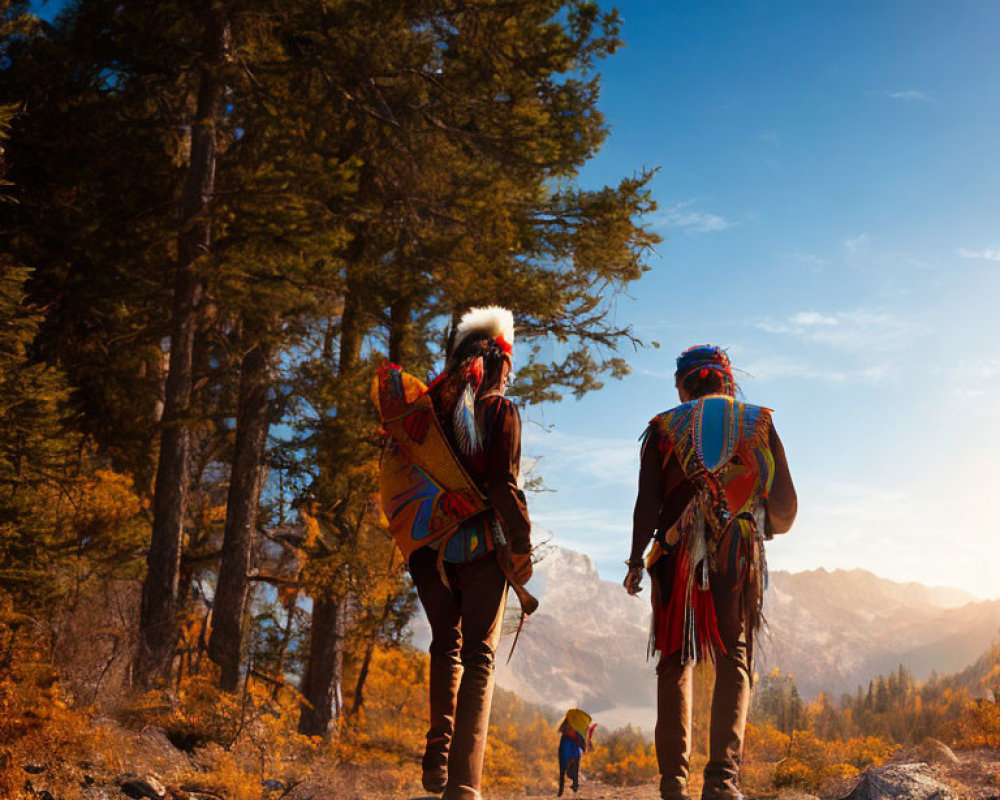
(929, 772)
(150, 769)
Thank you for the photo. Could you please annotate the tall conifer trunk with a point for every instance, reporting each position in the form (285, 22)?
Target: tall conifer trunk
(321, 684)
(400, 352)
(158, 624)
(245, 484)
(401, 331)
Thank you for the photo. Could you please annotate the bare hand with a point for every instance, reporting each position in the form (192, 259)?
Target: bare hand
(633, 581)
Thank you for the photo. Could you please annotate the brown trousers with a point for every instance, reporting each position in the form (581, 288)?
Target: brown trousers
(466, 621)
(730, 700)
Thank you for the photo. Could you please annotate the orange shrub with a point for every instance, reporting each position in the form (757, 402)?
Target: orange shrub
(635, 768)
(813, 763)
(866, 751)
(765, 743)
(792, 772)
(837, 772)
(979, 725)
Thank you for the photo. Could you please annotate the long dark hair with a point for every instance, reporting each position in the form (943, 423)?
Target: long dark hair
(493, 360)
(697, 386)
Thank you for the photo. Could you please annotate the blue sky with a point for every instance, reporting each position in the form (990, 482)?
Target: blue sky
(828, 194)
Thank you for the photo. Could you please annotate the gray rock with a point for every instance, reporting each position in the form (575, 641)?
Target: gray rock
(934, 751)
(139, 788)
(156, 740)
(900, 782)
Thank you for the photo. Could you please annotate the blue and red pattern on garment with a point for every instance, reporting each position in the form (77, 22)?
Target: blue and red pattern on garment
(723, 446)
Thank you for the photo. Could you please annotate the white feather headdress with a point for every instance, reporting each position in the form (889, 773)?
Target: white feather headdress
(492, 321)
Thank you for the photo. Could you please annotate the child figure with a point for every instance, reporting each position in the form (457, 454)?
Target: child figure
(576, 736)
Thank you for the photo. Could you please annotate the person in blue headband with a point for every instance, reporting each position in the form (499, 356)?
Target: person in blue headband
(713, 485)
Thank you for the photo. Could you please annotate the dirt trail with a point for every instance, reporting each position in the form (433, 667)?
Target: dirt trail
(588, 791)
(599, 791)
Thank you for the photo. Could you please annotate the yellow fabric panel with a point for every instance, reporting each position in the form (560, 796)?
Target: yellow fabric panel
(579, 721)
(425, 491)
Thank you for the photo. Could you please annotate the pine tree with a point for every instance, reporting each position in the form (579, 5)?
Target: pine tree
(161, 592)
(95, 179)
(62, 517)
(36, 450)
(374, 169)
(459, 150)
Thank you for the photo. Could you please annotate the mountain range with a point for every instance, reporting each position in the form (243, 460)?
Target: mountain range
(833, 630)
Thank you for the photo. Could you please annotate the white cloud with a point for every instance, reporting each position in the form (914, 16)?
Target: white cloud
(806, 318)
(973, 384)
(599, 460)
(909, 96)
(987, 254)
(682, 217)
(845, 330)
(865, 503)
(863, 250)
(857, 245)
(767, 369)
(810, 259)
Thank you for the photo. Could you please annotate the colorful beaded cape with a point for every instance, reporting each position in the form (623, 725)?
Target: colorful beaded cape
(426, 493)
(723, 448)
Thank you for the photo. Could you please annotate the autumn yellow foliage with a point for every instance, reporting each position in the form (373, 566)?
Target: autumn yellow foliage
(230, 744)
(979, 725)
(805, 761)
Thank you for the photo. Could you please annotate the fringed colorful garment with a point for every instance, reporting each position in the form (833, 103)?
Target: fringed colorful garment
(577, 737)
(577, 725)
(425, 491)
(722, 446)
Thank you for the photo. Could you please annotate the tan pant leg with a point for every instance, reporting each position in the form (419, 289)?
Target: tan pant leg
(443, 614)
(731, 696)
(482, 591)
(674, 687)
(673, 725)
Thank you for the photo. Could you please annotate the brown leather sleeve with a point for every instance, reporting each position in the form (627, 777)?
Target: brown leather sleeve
(503, 464)
(782, 503)
(649, 498)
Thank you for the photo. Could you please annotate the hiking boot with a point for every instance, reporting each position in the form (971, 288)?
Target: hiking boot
(434, 772)
(673, 789)
(434, 782)
(721, 791)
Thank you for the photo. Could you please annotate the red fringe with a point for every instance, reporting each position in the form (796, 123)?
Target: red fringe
(709, 643)
(672, 623)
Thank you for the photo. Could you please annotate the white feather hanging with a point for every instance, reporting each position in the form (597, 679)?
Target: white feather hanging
(467, 435)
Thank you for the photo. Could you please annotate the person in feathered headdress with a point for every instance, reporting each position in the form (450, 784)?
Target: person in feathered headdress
(462, 579)
(713, 484)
